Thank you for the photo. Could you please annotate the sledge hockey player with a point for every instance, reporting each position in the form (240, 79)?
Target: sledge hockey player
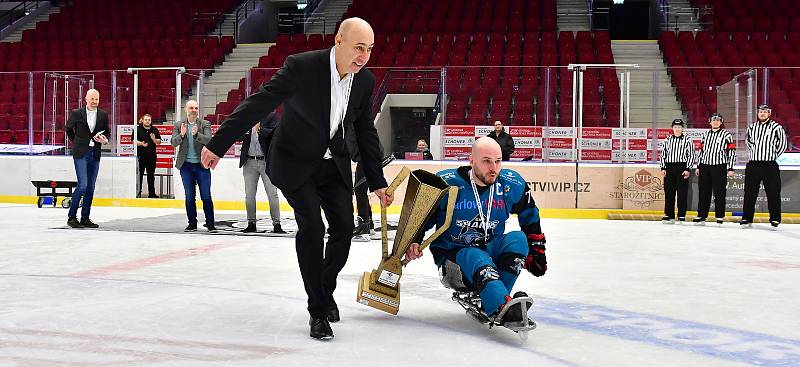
(490, 259)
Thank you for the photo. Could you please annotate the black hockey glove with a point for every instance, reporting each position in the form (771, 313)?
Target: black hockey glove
(536, 261)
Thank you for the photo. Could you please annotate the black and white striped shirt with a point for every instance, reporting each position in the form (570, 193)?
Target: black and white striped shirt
(717, 147)
(677, 149)
(765, 141)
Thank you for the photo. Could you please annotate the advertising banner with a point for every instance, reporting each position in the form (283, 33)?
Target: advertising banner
(609, 186)
(601, 144)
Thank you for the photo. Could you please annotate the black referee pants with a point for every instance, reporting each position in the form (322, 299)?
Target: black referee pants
(755, 173)
(675, 183)
(712, 178)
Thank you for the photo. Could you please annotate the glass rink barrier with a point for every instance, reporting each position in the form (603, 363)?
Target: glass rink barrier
(575, 114)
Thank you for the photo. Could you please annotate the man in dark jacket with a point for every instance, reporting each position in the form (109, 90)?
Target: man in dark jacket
(505, 140)
(87, 129)
(253, 163)
(326, 123)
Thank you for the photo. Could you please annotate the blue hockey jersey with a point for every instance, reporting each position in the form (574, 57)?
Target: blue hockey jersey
(511, 196)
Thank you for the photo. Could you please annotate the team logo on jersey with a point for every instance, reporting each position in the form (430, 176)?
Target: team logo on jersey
(471, 232)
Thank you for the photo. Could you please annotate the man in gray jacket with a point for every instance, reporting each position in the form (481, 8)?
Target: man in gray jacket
(190, 136)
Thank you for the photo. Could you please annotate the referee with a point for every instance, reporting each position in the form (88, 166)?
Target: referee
(766, 140)
(676, 160)
(717, 152)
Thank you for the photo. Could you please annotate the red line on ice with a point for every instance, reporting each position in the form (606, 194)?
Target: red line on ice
(141, 263)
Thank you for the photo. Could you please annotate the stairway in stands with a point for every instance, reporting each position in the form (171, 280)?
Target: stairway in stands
(651, 77)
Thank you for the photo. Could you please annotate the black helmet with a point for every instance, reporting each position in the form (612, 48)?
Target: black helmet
(678, 122)
(764, 106)
(715, 116)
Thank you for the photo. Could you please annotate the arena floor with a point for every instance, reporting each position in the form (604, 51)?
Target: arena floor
(617, 293)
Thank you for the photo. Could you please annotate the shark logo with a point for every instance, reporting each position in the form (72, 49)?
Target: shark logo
(471, 233)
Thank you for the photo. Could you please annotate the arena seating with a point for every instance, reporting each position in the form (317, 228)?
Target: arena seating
(123, 34)
(736, 42)
(495, 60)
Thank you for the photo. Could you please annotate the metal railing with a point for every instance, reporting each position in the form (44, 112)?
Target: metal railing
(311, 6)
(240, 14)
(21, 10)
(683, 15)
(310, 20)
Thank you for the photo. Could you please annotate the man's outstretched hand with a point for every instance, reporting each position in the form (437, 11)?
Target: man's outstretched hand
(208, 159)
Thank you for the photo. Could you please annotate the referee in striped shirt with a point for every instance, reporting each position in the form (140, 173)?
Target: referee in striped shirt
(676, 160)
(717, 152)
(766, 140)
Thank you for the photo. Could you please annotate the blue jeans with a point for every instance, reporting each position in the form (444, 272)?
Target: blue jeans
(470, 259)
(191, 174)
(86, 169)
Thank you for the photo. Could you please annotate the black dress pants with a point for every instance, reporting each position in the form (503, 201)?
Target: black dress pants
(320, 264)
(148, 163)
(675, 183)
(755, 173)
(713, 178)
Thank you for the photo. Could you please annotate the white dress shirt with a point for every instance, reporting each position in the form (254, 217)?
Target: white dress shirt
(340, 97)
(91, 119)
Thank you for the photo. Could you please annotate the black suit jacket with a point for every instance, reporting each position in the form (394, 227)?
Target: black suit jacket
(267, 125)
(78, 131)
(299, 142)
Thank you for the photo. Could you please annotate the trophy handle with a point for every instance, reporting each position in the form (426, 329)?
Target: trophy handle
(451, 203)
(404, 172)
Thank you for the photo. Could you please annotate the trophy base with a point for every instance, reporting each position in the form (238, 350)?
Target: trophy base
(375, 299)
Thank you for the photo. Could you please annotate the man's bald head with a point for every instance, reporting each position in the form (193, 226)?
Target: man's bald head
(486, 160)
(192, 110)
(486, 146)
(354, 42)
(354, 24)
(92, 99)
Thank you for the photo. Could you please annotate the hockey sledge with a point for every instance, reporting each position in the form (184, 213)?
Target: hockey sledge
(451, 277)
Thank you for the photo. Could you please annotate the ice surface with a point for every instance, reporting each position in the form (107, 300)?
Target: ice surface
(617, 293)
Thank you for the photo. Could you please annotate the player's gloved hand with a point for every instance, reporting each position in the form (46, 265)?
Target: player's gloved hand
(536, 261)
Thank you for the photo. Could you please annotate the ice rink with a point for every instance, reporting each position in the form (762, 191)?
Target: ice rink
(617, 293)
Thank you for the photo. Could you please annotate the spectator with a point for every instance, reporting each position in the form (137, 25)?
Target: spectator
(505, 140)
(190, 136)
(147, 138)
(253, 163)
(87, 129)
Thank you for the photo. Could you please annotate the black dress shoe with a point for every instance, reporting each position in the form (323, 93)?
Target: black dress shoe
(86, 222)
(333, 314)
(251, 227)
(73, 222)
(211, 228)
(192, 227)
(320, 329)
(276, 228)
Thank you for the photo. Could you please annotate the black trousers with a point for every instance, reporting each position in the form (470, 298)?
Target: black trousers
(755, 173)
(320, 264)
(712, 178)
(147, 162)
(675, 183)
(362, 200)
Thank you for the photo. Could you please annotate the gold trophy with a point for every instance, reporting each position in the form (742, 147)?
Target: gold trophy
(381, 288)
